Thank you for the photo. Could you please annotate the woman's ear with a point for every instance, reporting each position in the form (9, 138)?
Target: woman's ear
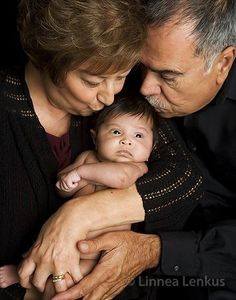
(93, 135)
(225, 63)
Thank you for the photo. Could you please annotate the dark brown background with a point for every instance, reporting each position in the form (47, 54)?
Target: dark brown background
(11, 52)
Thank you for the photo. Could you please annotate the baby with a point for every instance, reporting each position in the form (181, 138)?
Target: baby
(124, 136)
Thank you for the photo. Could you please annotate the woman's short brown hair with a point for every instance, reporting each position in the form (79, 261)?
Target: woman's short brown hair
(60, 35)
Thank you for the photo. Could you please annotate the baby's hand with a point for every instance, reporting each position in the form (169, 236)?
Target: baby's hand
(68, 181)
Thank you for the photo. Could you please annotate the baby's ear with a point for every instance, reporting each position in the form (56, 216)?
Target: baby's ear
(93, 135)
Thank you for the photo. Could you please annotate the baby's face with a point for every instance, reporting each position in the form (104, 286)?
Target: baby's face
(125, 138)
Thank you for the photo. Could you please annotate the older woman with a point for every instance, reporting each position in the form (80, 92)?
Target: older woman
(79, 55)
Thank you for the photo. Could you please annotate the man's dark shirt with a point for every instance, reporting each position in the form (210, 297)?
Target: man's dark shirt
(211, 136)
(207, 247)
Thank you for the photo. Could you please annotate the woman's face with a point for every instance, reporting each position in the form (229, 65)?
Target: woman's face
(82, 93)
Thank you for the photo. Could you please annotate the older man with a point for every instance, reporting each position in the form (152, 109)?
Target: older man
(190, 75)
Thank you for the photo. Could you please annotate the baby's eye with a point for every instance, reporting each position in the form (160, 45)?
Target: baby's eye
(115, 131)
(138, 135)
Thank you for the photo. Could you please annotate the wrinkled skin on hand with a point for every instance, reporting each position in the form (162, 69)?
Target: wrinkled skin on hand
(125, 255)
(49, 255)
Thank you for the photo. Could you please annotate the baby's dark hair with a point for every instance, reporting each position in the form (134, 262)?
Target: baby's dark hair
(129, 103)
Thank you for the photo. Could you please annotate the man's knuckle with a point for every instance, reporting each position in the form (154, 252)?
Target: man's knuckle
(110, 273)
(83, 291)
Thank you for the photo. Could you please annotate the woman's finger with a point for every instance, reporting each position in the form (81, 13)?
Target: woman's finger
(59, 282)
(87, 285)
(69, 281)
(40, 277)
(25, 272)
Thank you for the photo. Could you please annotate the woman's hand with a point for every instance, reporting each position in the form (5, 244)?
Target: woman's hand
(55, 252)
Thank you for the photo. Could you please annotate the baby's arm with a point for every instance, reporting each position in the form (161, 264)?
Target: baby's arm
(69, 181)
(112, 174)
(88, 170)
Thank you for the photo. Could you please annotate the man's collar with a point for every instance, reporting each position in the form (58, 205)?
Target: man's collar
(228, 89)
(230, 83)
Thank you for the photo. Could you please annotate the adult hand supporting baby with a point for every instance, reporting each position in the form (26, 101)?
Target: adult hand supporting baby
(55, 251)
(125, 255)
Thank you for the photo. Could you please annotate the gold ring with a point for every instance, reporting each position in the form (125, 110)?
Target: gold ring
(57, 278)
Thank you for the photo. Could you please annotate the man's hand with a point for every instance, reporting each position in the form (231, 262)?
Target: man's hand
(125, 255)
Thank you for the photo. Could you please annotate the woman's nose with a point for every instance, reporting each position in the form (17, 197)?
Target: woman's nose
(106, 94)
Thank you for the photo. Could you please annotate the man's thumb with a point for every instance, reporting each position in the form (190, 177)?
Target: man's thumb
(87, 246)
(102, 242)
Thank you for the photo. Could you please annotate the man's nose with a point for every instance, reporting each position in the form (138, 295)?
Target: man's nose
(150, 85)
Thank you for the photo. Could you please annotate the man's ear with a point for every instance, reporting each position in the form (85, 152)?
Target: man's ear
(93, 135)
(225, 63)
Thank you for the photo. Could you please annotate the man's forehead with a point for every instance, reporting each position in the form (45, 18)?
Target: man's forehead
(176, 34)
(165, 49)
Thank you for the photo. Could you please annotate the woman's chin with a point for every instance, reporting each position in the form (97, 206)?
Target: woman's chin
(85, 113)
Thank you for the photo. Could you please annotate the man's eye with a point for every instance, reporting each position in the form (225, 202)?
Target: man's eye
(168, 79)
(138, 135)
(115, 132)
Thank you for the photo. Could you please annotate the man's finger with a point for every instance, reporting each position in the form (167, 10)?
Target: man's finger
(103, 242)
(98, 294)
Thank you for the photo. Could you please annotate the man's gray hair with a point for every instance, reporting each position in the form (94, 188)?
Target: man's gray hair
(212, 22)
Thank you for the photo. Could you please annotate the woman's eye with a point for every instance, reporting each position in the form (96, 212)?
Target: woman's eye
(91, 84)
(138, 135)
(121, 78)
(115, 132)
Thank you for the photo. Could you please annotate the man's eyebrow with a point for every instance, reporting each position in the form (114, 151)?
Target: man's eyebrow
(166, 71)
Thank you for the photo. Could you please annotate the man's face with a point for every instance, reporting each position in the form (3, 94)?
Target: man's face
(175, 77)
